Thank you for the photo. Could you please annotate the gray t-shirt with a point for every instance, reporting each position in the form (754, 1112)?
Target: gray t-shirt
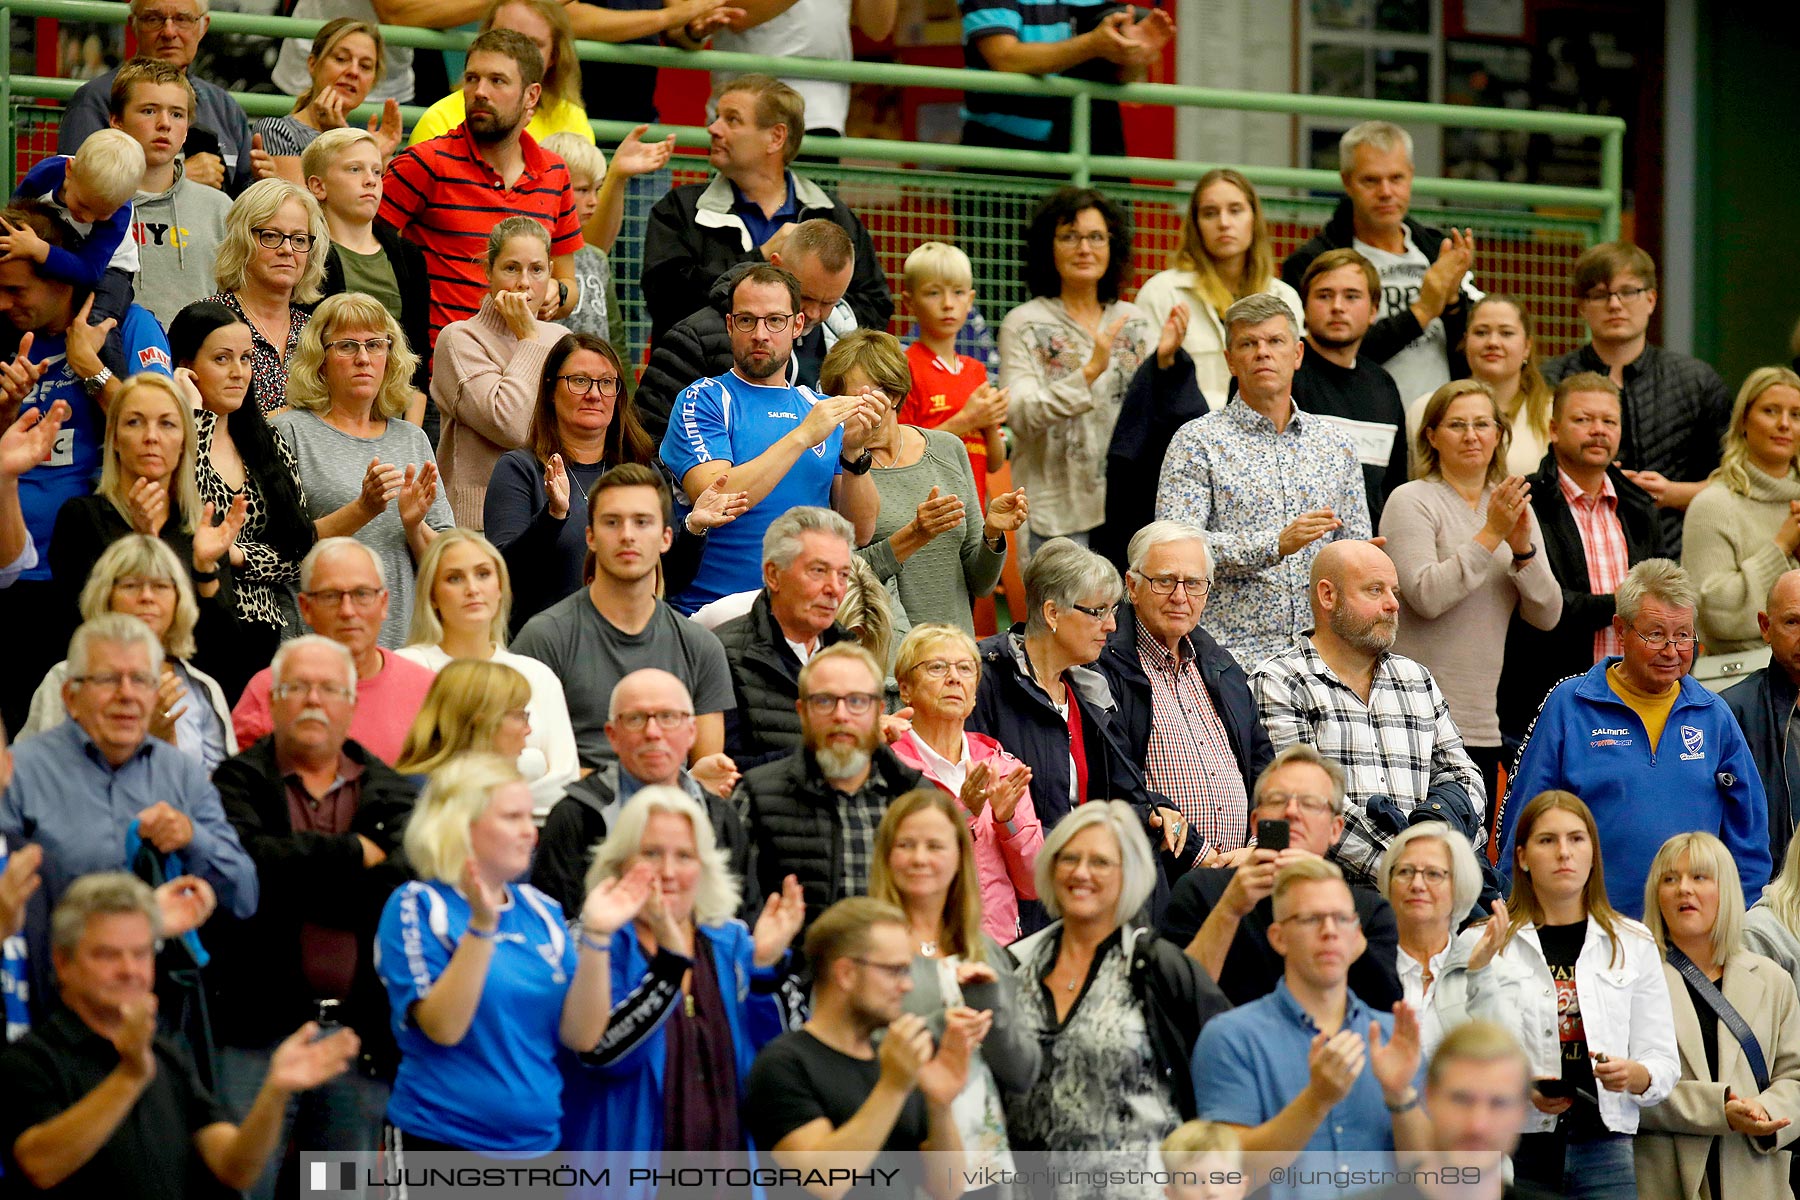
(590, 655)
(332, 465)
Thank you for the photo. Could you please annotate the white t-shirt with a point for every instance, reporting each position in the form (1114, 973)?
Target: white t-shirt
(810, 29)
(1422, 366)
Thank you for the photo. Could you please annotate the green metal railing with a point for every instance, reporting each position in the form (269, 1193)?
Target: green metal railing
(980, 198)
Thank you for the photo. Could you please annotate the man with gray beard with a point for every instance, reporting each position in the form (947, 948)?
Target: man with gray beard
(1339, 688)
(813, 814)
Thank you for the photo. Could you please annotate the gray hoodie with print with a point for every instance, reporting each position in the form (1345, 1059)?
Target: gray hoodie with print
(178, 234)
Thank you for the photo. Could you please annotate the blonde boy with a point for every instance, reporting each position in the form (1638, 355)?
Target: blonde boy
(587, 172)
(950, 391)
(92, 191)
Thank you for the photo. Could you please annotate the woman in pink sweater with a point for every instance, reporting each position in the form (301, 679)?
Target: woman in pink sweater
(486, 370)
(937, 668)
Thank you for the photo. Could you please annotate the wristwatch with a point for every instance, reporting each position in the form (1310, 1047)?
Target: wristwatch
(562, 290)
(93, 385)
(860, 466)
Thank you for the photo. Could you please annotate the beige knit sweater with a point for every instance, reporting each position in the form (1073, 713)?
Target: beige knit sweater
(485, 384)
(1728, 546)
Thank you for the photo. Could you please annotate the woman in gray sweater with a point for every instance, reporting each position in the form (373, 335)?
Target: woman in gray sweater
(931, 536)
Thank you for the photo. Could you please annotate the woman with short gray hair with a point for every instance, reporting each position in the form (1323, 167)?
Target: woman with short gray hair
(1430, 875)
(485, 370)
(1041, 699)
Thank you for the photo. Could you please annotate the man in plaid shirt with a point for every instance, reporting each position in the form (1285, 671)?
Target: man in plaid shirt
(1381, 715)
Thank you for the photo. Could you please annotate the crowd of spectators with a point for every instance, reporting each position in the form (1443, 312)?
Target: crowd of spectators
(429, 740)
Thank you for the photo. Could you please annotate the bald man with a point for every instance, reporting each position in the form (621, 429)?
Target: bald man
(1341, 689)
(1764, 706)
(650, 725)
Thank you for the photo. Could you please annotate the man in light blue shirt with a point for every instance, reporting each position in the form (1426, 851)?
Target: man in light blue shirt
(784, 446)
(1309, 1074)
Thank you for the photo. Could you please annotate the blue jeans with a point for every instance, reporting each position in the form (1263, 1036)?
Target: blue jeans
(344, 1114)
(1601, 1169)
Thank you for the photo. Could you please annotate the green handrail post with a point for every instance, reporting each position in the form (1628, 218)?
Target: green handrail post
(1081, 138)
(6, 96)
(1612, 181)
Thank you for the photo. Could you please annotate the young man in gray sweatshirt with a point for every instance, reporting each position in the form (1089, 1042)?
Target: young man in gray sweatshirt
(178, 224)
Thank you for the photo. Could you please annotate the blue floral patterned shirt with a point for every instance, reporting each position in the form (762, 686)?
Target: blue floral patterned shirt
(1233, 475)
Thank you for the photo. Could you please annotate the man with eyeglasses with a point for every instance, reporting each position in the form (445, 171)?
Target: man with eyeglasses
(217, 146)
(1222, 914)
(344, 597)
(1674, 407)
(320, 816)
(813, 814)
(91, 787)
(650, 723)
(1345, 386)
(822, 258)
(1312, 1072)
(787, 447)
(1596, 525)
(1184, 704)
(747, 212)
(1651, 751)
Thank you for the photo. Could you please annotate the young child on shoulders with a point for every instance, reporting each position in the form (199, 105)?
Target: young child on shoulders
(91, 190)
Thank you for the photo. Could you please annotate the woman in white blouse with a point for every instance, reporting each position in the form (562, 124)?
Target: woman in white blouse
(1430, 876)
(1582, 988)
(464, 597)
(1067, 356)
(1225, 255)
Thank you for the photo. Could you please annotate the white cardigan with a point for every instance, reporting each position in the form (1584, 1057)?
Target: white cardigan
(1205, 339)
(548, 762)
(1625, 1010)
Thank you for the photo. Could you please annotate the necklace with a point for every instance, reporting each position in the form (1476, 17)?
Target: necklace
(928, 949)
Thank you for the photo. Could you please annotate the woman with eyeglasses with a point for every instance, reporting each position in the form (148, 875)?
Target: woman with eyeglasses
(939, 670)
(472, 705)
(1743, 530)
(367, 473)
(925, 865)
(1039, 696)
(461, 615)
(268, 270)
(237, 454)
(1469, 553)
(1430, 878)
(931, 536)
(1067, 356)
(141, 576)
(583, 424)
(1726, 1126)
(1582, 988)
(1115, 1008)
(484, 371)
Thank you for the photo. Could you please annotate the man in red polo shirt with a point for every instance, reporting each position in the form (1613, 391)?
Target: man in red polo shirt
(446, 193)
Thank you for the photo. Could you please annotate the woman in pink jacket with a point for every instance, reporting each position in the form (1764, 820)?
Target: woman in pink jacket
(937, 668)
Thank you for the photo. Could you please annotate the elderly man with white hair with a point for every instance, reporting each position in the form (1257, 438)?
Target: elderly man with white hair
(344, 597)
(1184, 703)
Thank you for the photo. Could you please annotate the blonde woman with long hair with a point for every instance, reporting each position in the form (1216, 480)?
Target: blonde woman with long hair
(471, 707)
(1582, 988)
(1225, 255)
(348, 60)
(464, 596)
(367, 473)
(1743, 530)
(1772, 926)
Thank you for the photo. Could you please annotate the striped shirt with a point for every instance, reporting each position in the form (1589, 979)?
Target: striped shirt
(1603, 545)
(1189, 758)
(1036, 22)
(1400, 744)
(442, 195)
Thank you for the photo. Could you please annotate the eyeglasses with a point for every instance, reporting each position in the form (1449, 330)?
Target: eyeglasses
(937, 668)
(1097, 864)
(1435, 876)
(348, 347)
(579, 385)
(1608, 295)
(1165, 585)
(1314, 922)
(1099, 613)
(1312, 806)
(1659, 639)
(894, 971)
(112, 681)
(362, 597)
(666, 719)
(154, 20)
(823, 704)
(136, 583)
(1071, 239)
(273, 239)
(521, 716)
(1461, 427)
(747, 322)
(296, 690)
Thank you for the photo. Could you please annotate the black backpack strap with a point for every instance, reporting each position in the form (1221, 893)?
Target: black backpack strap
(1728, 1016)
